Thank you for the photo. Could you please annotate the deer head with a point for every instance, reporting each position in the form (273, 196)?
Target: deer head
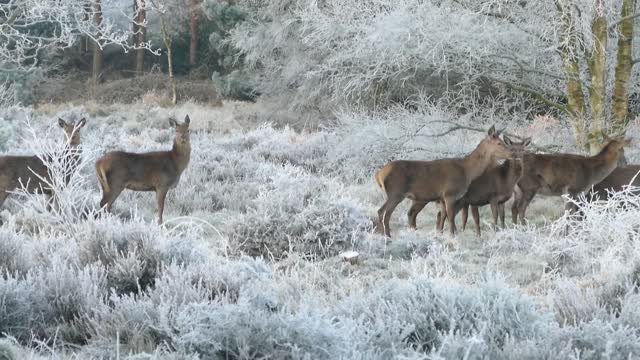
(494, 146)
(182, 131)
(72, 130)
(518, 148)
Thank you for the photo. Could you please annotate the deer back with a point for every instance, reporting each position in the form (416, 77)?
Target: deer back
(20, 171)
(617, 180)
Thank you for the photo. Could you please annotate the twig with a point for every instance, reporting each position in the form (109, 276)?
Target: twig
(458, 127)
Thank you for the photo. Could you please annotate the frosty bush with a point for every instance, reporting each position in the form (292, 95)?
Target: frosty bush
(311, 217)
(423, 314)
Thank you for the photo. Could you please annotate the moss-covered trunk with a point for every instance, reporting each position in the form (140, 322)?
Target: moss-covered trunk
(620, 99)
(574, 93)
(597, 69)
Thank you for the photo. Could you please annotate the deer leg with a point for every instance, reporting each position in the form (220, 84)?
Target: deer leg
(476, 219)
(384, 213)
(415, 209)
(442, 213)
(439, 220)
(501, 213)
(465, 217)
(523, 204)
(517, 195)
(161, 194)
(449, 203)
(109, 197)
(495, 211)
(3, 197)
(50, 199)
(570, 206)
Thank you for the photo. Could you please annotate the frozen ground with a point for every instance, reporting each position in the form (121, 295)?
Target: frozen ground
(248, 266)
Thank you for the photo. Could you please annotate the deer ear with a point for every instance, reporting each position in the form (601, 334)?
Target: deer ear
(61, 123)
(627, 141)
(526, 141)
(492, 130)
(605, 137)
(173, 122)
(507, 140)
(82, 122)
(187, 120)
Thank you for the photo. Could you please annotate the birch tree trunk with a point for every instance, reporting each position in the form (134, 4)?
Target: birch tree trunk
(575, 95)
(166, 39)
(97, 62)
(139, 34)
(597, 67)
(624, 63)
(194, 17)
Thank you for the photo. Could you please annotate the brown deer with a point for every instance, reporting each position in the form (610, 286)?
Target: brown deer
(31, 173)
(615, 182)
(426, 181)
(559, 174)
(156, 171)
(494, 187)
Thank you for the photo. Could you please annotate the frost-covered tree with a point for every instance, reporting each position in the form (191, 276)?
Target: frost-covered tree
(31, 28)
(574, 56)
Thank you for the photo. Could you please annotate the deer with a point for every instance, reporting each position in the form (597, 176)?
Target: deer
(32, 174)
(494, 187)
(443, 179)
(619, 178)
(565, 174)
(156, 171)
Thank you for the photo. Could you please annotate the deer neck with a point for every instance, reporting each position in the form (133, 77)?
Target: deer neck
(477, 162)
(605, 162)
(181, 154)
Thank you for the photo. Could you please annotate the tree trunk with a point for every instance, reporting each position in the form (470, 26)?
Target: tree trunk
(575, 95)
(84, 40)
(194, 14)
(139, 34)
(620, 99)
(97, 48)
(596, 63)
(166, 39)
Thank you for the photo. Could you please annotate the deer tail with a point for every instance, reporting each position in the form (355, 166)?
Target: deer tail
(380, 176)
(102, 176)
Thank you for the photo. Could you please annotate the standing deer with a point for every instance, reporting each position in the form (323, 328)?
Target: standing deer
(156, 171)
(615, 182)
(559, 174)
(426, 181)
(31, 173)
(494, 187)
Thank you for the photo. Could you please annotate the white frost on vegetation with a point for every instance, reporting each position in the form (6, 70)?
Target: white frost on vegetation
(249, 265)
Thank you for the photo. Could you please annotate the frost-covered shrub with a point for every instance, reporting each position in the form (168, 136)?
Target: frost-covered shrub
(14, 254)
(421, 314)
(243, 332)
(297, 213)
(15, 310)
(63, 299)
(180, 297)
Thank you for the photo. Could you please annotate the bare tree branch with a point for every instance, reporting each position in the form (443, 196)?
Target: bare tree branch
(453, 127)
(536, 94)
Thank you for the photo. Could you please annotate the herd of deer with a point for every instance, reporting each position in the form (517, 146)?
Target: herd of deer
(156, 171)
(478, 179)
(475, 180)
